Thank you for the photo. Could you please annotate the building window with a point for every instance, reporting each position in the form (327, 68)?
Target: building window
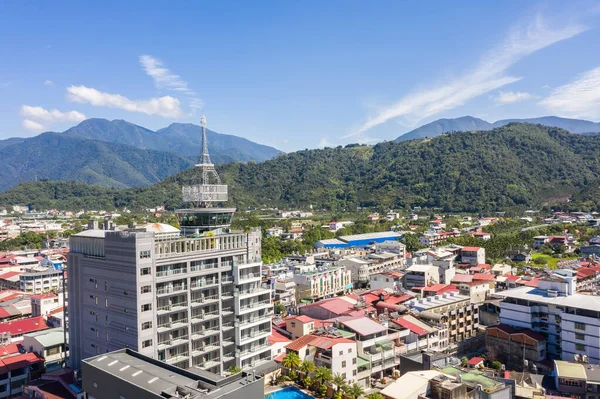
(146, 325)
(580, 326)
(580, 336)
(354, 373)
(349, 350)
(146, 289)
(146, 307)
(146, 343)
(307, 351)
(580, 347)
(145, 271)
(144, 254)
(106, 302)
(341, 353)
(343, 364)
(354, 361)
(293, 324)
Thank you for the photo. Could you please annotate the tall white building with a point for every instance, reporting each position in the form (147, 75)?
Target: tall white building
(189, 297)
(569, 321)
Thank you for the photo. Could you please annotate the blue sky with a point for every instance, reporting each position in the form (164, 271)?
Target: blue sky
(295, 74)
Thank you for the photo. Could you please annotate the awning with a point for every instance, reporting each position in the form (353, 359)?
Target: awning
(362, 363)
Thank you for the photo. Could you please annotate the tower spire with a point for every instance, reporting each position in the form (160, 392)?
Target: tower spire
(205, 158)
(205, 165)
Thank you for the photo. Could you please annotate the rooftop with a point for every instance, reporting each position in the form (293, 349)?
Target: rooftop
(588, 302)
(364, 326)
(570, 370)
(49, 337)
(24, 326)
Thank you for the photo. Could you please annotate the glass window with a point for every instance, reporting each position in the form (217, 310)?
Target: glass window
(146, 307)
(144, 254)
(580, 326)
(580, 347)
(146, 343)
(580, 336)
(146, 325)
(146, 289)
(145, 271)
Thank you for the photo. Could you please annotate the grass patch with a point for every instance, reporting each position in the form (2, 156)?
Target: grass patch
(549, 260)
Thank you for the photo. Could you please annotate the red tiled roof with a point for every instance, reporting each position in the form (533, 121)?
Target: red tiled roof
(328, 342)
(334, 305)
(8, 349)
(279, 358)
(585, 272)
(411, 326)
(9, 274)
(475, 361)
(4, 313)
(471, 249)
(57, 310)
(440, 288)
(20, 361)
(301, 318)
(276, 336)
(24, 326)
(462, 278)
(484, 276)
(43, 296)
(301, 342)
(510, 330)
(510, 277)
(531, 283)
(396, 299)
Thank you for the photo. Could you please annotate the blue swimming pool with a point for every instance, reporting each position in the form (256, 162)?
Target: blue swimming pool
(288, 393)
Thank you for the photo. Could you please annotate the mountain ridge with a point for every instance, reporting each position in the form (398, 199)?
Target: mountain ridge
(464, 123)
(118, 154)
(516, 165)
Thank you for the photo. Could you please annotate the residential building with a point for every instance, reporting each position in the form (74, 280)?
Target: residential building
(390, 280)
(577, 379)
(49, 345)
(189, 297)
(53, 385)
(14, 330)
(43, 304)
(476, 290)
(336, 353)
(418, 336)
(452, 310)
(316, 283)
(17, 369)
(421, 276)
(274, 232)
(285, 292)
(511, 346)
(472, 255)
(128, 374)
(299, 326)
(39, 282)
(278, 342)
(568, 320)
(539, 241)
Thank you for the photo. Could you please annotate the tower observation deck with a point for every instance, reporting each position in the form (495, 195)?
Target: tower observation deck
(204, 197)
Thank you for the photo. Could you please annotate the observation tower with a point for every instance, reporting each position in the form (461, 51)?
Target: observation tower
(204, 197)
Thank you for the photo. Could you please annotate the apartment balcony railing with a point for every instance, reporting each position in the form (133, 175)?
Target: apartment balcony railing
(205, 300)
(205, 316)
(206, 283)
(172, 324)
(207, 266)
(171, 307)
(173, 341)
(171, 272)
(227, 280)
(178, 358)
(255, 304)
(259, 319)
(253, 349)
(171, 289)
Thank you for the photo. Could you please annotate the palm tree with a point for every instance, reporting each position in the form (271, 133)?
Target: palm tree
(355, 391)
(323, 375)
(234, 370)
(375, 395)
(291, 361)
(307, 366)
(339, 381)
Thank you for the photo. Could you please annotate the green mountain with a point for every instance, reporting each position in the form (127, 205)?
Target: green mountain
(469, 123)
(57, 156)
(180, 138)
(516, 164)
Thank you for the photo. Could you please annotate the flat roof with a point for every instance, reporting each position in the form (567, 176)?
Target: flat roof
(436, 301)
(367, 236)
(96, 233)
(588, 302)
(364, 326)
(422, 268)
(570, 370)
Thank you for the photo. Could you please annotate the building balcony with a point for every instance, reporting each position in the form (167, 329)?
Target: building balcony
(204, 266)
(227, 326)
(252, 292)
(227, 311)
(176, 307)
(227, 280)
(198, 318)
(178, 358)
(169, 290)
(228, 356)
(253, 351)
(167, 343)
(202, 333)
(206, 348)
(254, 321)
(206, 300)
(172, 325)
(199, 284)
(208, 364)
(253, 336)
(249, 278)
(255, 306)
(171, 272)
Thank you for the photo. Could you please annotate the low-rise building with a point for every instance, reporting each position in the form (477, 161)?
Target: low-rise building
(41, 282)
(511, 347)
(43, 304)
(421, 276)
(317, 283)
(285, 292)
(472, 255)
(386, 280)
(49, 345)
(128, 374)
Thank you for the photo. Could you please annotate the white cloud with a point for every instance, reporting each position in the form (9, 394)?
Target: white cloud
(53, 115)
(164, 79)
(487, 75)
(166, 106)
(33, 126)
(577, 99)
(509, 97)
(48, 83)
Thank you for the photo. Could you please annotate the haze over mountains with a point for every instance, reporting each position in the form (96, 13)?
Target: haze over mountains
(118, 154)
(470, 123)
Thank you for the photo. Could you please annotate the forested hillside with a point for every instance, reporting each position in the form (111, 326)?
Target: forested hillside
(517, 164)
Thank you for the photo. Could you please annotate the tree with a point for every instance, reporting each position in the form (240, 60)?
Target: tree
(496, 365)
(234, 370)
(291, 361)
(323, 375)
(307, 366)
(375, 395)
(279, 308)
(306, 381)
(464, 361)
(354, 391)
(339, 381)
(412, 242)
(337, 395)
